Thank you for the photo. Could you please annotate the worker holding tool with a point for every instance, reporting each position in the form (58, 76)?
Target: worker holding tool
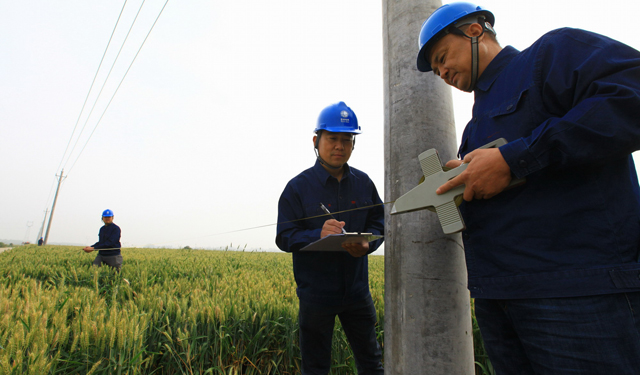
(108, 244)
(333, 283)
(553, 264)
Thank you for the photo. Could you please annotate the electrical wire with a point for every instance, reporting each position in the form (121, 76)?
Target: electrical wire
(272, 224)
(53, 183)
(85, 102)
(116, 91)
(104, 83)
(91, 88)
(282, 222)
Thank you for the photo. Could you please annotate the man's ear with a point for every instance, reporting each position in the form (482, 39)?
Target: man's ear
(474, 29)
(314, 141)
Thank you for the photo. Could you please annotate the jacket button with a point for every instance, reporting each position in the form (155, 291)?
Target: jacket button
(522, 163)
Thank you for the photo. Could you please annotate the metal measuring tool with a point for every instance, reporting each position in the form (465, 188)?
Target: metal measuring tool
(445, 205)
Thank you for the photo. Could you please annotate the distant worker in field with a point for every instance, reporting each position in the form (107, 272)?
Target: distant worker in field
(108, 243)
(40, 241)
(553, 264)
(333, 283)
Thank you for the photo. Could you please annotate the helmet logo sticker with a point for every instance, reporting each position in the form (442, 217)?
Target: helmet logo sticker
(345, 116)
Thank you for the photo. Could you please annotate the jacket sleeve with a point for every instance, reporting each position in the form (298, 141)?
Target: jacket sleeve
(100, 235)
(292, 235)
(592, 84)
(375, 220)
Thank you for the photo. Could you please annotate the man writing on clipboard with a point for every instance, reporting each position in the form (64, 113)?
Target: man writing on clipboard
(333, 283)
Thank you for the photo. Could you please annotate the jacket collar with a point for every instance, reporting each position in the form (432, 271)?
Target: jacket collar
(324, 175)
(491, 73)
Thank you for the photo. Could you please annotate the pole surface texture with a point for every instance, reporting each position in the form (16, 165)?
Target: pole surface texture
(427, 307)
(53, 208)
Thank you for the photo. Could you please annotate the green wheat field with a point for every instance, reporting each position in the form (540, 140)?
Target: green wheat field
(168, 312)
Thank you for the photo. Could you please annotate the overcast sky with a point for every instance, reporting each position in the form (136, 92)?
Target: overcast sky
(216, 113)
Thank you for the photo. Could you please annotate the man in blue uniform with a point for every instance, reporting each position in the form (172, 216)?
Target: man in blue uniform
(333, 283)
(108, 243)
(553, 264)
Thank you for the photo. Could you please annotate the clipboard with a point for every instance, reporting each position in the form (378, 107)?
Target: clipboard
(333, 242)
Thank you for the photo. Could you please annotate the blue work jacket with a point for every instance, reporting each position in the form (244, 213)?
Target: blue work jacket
(569, 106)
(330, 278)
(108, 238)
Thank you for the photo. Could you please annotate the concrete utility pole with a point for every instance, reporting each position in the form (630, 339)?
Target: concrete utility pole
(41, 232)
(427, 307)
(55, 199)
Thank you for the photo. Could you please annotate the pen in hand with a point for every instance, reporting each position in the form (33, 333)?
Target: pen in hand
(329, 213)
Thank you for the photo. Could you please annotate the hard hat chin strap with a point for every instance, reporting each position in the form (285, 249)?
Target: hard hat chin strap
(475, 56)
(315, 148)
(325, 163)
(474, 62)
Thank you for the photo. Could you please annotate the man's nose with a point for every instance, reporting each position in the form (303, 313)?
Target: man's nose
(444, 72)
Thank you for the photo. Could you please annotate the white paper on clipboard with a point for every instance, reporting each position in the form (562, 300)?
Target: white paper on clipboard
(333, 242)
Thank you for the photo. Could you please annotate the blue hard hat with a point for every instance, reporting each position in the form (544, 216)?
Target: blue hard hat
(338, 118)
(107, 213)
(435, 27)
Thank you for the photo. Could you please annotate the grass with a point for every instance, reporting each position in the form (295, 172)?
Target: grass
(170, 311)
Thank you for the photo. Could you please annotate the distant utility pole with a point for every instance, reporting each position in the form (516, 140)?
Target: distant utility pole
(26, 236)
(427, 306)
(44, 220)
(46, 237)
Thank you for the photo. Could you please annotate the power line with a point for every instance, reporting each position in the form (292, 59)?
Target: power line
(117, 88)
(85, 101)
(90, 88)
(108, 104)
(105, 82)
(284, 222)
(53, 183)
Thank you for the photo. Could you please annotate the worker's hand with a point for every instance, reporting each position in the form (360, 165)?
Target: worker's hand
(486, 175)
(331, 226)
(357, 249)
(88, 249)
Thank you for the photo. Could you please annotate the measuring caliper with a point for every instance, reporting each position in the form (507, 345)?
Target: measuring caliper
(445, 205)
